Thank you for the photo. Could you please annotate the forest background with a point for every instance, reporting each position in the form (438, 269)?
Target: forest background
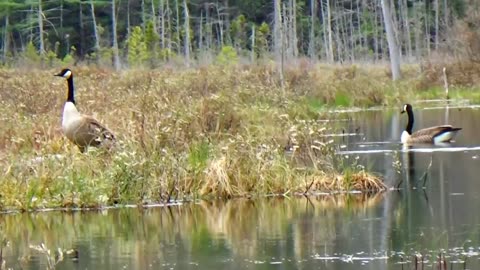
(151, 33)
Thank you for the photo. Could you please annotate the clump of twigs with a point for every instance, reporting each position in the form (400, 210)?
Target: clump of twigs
(52, 258)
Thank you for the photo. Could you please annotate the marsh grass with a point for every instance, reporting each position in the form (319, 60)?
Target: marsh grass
(197, 133)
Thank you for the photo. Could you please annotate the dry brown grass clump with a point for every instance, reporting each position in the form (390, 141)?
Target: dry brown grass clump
(459, 74)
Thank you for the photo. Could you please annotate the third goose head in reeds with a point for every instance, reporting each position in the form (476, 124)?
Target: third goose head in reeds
(82, 130)
(436, 134)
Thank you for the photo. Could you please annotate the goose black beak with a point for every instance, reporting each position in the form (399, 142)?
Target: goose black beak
(59, 75)
(402, 111)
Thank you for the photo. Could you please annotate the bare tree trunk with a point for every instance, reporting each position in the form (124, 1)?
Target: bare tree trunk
(128, 18)
(226, 21)
(6, 40)
(338, 32)
(220, 27)
(31, 23)
(82, 30)
(293, 26)
(278, 38)
(95, 30)
(40, 28)
(169, 27)
(361, 38)
(437, 29)
(376, 42)
(445, 13)
(277, 26)
(347, 35)
(324, 34)
(392, 45)
(187, 33)
(252, 56)
(61, 14)
(177, 26)
(143, 15)
(338, 39)
(311, 41)
(162, 24)
(286, 48)
(200, 32)
(427, 29)
(154, 17)
(407, 29)
(344, 31)
(445, 83)
(330, 37)
(395, 22)
(383, 49)
(351, 27)
(416, 33)
(208, 30)
(116, 57)
(401, 35)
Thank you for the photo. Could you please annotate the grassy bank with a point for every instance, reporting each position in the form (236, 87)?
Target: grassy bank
(207, 132)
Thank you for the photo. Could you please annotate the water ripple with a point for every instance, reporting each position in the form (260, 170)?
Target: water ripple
(418, 150)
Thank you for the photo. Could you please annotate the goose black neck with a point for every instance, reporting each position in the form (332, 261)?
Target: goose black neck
(409, 127)
(70, 97)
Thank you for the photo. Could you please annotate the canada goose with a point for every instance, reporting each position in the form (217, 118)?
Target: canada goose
(437, 134)
(82, 130)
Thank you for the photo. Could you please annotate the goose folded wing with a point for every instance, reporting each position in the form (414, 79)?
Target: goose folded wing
(433, 131)
(100, 135)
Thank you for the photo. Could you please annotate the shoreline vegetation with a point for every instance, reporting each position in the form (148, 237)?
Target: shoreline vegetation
(210, 132)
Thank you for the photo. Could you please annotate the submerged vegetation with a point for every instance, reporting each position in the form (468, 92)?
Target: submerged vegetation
(198, 133)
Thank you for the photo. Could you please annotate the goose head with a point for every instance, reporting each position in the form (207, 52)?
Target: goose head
(406, 108)
(65, 73)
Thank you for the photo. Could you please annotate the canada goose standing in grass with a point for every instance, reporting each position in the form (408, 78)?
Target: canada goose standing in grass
(437, 134)
(82, 130)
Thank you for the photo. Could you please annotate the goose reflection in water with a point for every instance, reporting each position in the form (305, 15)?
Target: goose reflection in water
(408, 161)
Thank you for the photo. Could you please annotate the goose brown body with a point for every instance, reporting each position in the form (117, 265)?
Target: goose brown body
(436, 134)
(82, 130)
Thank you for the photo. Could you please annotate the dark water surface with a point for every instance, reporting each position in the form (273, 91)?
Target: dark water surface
(355, 231)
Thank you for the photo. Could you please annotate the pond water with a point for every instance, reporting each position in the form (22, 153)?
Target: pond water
(433, 212)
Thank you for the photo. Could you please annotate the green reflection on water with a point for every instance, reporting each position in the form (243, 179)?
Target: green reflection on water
(218, 234)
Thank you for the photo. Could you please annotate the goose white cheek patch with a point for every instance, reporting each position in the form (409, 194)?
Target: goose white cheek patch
(67, 74)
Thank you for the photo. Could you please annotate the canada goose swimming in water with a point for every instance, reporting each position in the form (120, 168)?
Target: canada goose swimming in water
(82, 130)
(437, 134)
